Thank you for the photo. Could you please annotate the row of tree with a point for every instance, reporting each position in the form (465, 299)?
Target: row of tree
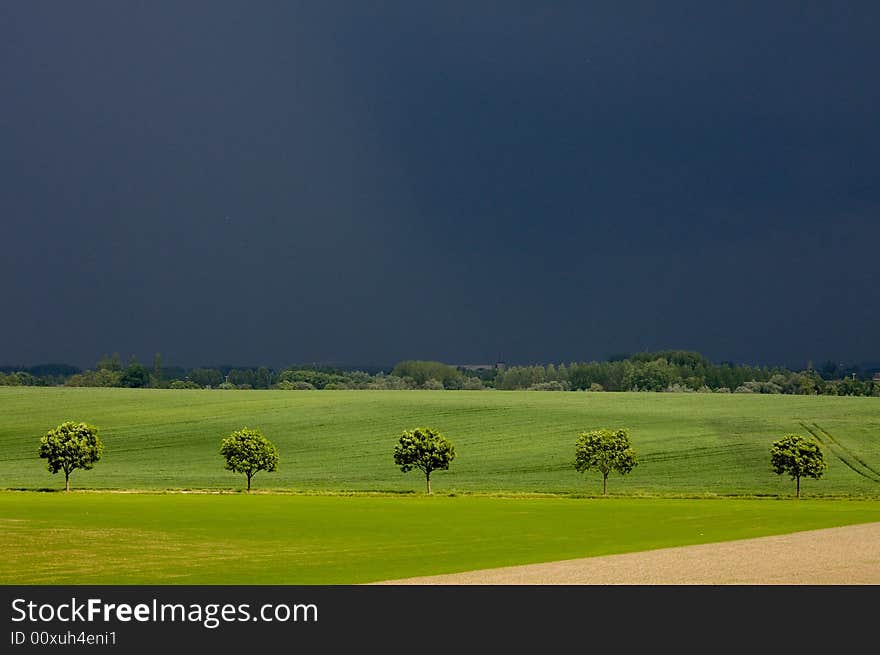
(664, 371)
(679, 371)
(72, 446)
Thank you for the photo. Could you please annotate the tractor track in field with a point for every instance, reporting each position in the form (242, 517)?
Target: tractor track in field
(844, 454)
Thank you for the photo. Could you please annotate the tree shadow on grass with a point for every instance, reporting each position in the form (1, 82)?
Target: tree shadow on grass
(40, 489)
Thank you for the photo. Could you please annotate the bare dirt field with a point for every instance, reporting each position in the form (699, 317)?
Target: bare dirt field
(834, 556)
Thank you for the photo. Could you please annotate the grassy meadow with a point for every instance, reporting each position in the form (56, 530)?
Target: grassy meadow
(139, 538)
(509, 442)
(510, 497)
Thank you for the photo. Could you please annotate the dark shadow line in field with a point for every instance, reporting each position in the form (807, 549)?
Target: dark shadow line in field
(841, 452)
(849, 452)
(701, 451)
(34, 489)
(137, 449)
(849, 455)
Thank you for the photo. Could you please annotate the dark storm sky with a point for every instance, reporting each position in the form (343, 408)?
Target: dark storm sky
(281, 182)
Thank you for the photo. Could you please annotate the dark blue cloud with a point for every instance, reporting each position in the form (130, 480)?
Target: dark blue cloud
(286, 182)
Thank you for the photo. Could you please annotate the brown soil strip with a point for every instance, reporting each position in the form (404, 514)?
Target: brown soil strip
(834, 556)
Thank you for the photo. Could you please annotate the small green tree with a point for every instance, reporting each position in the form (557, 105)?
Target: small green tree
(135, 376)
(799, 457)
(248, 451)
(605, 451)
(109, 363)
(156, 378)
(71, 446)
(424, 449)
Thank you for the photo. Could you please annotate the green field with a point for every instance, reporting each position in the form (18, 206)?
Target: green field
(512, 446)
(689, 444)
(121, 538)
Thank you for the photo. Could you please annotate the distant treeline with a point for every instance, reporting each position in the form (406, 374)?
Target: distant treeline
(662, 371)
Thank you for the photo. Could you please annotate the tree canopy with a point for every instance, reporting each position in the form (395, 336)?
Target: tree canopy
(799, 457)
(248, 451)
(135, 376)
(423, 371)
(425, 449)
(71, 446)
(605, 451)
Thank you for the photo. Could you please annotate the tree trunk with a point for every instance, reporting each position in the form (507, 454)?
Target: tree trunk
(428, 483)
(249, 482)
(798, 494)
(604, 484)
(67, 481)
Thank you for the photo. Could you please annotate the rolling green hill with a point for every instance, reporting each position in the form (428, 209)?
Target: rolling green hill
(506, 441)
